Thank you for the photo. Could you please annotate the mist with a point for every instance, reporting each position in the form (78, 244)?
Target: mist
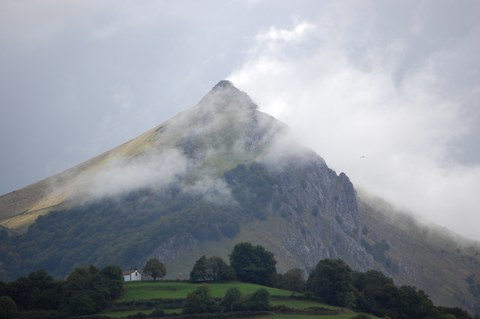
(375, 111)
(122, 175)
(386, 92)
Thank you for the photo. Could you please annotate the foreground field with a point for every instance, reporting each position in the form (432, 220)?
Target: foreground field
(145, 297)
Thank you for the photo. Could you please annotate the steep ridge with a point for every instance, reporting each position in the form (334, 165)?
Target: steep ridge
(217, 174)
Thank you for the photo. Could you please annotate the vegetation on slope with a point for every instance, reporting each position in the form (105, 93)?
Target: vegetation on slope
(89, 290)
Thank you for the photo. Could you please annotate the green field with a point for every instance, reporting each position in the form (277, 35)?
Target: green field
(148, 290)
(171, 290)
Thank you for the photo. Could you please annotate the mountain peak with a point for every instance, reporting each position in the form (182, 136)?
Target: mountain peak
(224, 84)
(224, 96)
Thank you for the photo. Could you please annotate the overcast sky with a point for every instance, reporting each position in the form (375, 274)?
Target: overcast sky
(386, 91)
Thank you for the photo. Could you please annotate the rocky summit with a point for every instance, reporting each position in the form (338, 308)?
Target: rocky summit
(215, 175)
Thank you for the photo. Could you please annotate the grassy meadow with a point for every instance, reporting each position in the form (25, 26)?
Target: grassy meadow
(146, 293)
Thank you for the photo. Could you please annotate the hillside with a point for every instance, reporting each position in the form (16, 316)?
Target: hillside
(217, 174)
(146, 296)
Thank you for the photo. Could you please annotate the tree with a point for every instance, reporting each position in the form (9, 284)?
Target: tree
(219, 269)
(294, 280)
(88, 290)
(376, 292)
(200, 301)
(456, 312)
(253, 264)
(331, 281)
(155, 268)
(413, 303)
(199, 271)
(211, 269)
(8, 307)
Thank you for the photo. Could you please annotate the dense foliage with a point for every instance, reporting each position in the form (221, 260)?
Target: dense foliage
(85, 291)
(331, 280)
(201, 301)
(253, 264)
(211, 269)
(336, 283)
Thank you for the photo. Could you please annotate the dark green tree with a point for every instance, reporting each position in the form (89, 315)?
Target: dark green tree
(8, 308)
(200, 301)
(253, 264)
(80, 294)
(200, 270)
(88, 290)
(155, 268)
(36, 291)
(294, 280)
(112, 278)
(219, 269)
(413, 303)
(331, 281)
(376, 293)
(211, 269)
(458, 313)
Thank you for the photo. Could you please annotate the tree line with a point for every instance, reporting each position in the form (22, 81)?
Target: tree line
(85, 291)
(331, 281)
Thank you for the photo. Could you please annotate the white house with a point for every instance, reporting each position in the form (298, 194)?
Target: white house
(132, 275)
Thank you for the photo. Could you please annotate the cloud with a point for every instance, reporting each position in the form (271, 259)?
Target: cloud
(211, 189)
(154, 170)
(378, 103)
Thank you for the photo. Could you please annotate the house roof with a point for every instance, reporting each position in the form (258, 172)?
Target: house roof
(129, 272)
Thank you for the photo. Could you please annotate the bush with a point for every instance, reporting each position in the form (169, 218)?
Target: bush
(81, 304)
(200, 301)
(231, 300)
(259, 300)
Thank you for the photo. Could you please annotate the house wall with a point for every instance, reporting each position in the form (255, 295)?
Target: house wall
(134, 276)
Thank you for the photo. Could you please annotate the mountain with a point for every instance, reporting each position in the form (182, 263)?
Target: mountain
(215, 175)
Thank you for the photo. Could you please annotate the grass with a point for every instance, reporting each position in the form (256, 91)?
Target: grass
(126, 313)
(300, 304)
(148, 290)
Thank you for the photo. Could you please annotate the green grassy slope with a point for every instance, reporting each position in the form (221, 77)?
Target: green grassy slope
(145, 291)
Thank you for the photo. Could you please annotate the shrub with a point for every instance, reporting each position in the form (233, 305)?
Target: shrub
(200, 301)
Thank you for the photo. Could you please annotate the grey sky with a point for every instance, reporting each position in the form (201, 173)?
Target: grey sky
(395, 81)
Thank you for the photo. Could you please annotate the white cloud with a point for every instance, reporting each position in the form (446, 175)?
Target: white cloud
(371, 110)
(152, 170)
